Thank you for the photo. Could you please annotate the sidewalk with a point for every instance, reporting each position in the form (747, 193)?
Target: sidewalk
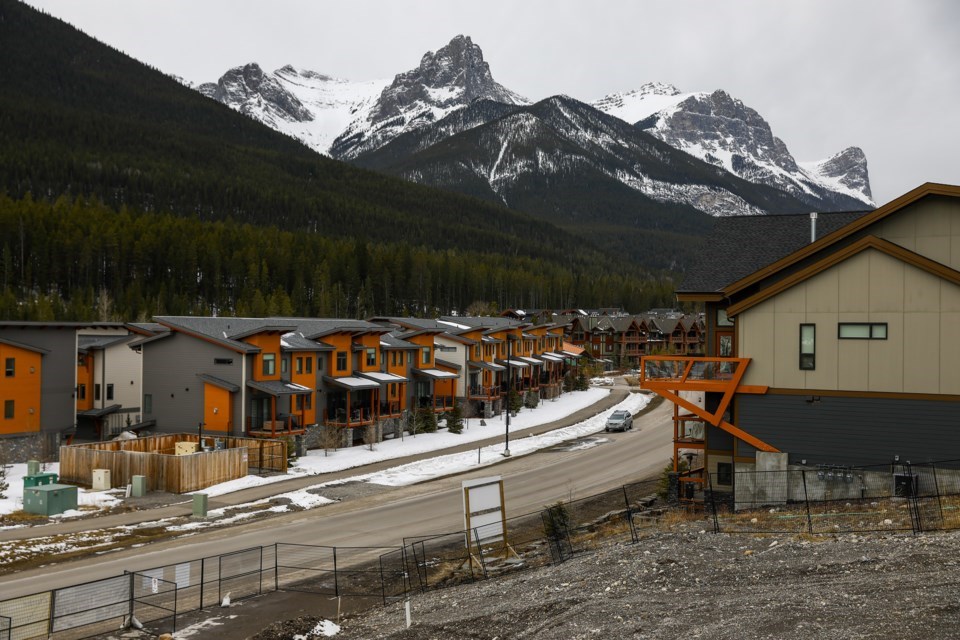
(182, 507)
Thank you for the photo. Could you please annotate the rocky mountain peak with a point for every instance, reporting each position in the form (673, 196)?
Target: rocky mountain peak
(446, 80)
(257, 94)
(848, 169)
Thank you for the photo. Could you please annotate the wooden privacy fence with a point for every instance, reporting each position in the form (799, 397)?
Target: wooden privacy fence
(154, 458)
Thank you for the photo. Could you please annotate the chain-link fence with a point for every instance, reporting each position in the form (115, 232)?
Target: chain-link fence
(838, 499)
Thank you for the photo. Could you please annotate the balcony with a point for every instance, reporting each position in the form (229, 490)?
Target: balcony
(282, 426)
(483, 393)
(439, 404)
(390, 410)
(358, 417)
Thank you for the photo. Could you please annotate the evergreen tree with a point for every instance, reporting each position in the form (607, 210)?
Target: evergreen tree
(455, 419)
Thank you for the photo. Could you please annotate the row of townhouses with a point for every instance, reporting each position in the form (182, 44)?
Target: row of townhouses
(831, 340)
(265, 377)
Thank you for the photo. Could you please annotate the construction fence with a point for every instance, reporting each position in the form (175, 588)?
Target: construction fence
(834, 499)
(151, 600)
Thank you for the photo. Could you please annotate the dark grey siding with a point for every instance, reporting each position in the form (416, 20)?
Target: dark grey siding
(58, 406)
(170, 368)
(852, 430)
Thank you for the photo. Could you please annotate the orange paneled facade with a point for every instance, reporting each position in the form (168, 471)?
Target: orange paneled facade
(217, 408)
(19, 389)
(85, 382)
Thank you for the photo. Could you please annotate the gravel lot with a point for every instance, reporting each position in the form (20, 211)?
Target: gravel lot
(688, 583)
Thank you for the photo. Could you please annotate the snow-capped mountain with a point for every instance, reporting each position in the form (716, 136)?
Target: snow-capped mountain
(723, 131)
(303, 104)
(389, 126)
(445, 81)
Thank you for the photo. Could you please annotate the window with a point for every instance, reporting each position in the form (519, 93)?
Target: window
(81, 392)
(725, 473)
(476, 352)
(862, 330)
(11, 367)
(341, 360)
(808, 345)
(223, 361)
(96, 391)
(393, 358)
(371, 357)
(426, 355)
(299, 365)
(284, 364)
(110, 391)
(305, 402)
(8, 409)
(722, 319)
(309, 364)
(148, 403)
(269, 364)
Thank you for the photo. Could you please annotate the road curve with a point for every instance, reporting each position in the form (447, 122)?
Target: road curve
(384, 519)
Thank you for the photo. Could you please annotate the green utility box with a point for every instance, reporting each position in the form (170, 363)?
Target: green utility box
(199, 505)
(39, 479)
(49, 499)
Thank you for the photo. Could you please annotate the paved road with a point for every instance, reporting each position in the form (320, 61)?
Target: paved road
(386, 518)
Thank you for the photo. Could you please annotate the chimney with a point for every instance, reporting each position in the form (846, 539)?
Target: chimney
(813, 226)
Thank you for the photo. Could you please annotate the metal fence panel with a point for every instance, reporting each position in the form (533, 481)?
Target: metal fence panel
(29, 615)
(98, 606)
(238, 574)
(154, 603)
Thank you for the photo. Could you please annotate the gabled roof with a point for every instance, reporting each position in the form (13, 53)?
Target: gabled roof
(869, 242)
(755, 261)
(741, 245)
(26, 347)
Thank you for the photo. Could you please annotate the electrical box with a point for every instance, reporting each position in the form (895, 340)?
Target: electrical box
(199, 505)
(49, 499)
(138, 486)
(39, 479)
(101, 479)
(186, 448)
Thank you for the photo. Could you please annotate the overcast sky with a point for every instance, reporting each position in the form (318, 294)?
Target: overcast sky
(879, 74)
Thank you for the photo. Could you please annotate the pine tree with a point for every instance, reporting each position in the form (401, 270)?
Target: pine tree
(455, 419)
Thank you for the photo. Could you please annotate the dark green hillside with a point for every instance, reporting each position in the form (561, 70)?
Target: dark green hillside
(116, 138)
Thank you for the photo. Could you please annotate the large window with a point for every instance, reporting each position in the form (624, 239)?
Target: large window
(426, 355)
(309, 364)
(8, 409)
(341, 360)
(269, 364)
(81, 391)
(808, 346)
(11, 367)
(371, 357)
(299, 364)
(148, 403)
(862, 330)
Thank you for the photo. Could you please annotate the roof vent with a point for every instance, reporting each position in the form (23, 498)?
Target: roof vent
(813, 226)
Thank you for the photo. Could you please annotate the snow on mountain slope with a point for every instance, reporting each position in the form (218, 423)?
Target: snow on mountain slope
(444, 82)
(303, 104)
(721, 130)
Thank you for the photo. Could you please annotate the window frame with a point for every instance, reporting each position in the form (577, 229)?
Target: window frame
(269, 364)
(808, 360)
(10, 367)
(371, 356)
(425, 355)
(871, 328)
(341, 362)
(9, 410)
(109, 391)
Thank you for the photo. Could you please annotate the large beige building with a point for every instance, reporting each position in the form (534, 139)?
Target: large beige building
(841, 333)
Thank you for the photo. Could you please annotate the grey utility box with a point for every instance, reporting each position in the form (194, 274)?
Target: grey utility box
(139, 486)
(49, 499)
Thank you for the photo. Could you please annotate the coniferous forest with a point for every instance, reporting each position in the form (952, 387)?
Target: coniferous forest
(124, 195)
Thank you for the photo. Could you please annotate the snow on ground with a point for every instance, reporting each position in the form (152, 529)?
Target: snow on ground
(317, 462)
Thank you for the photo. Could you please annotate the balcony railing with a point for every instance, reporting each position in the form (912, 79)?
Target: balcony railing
(261, 427)
(439, 404)
(390, 410)
(357, 417)
(484, 393)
